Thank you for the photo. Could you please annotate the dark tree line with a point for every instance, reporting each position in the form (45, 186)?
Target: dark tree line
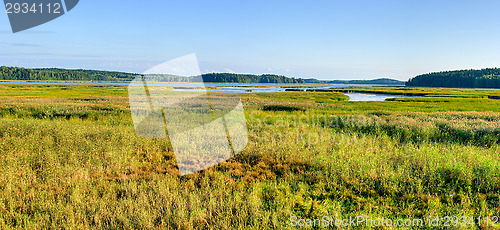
(380, 81)
(53, 74)
(484, 78)
(248, 78)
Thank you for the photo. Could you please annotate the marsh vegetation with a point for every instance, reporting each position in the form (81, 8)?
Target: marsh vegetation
(69, 158)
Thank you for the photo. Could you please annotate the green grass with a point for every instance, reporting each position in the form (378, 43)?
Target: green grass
(69, 158)
(422, 91)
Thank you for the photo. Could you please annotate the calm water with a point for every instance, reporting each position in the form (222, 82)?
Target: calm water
(236, 88)
(371, 96)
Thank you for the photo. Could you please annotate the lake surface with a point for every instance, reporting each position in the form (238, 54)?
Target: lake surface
(371, 96)
(220, 87)
(260, 88)
(238, 88)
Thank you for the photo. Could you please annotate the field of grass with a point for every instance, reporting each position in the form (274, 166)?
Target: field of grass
(70, 158)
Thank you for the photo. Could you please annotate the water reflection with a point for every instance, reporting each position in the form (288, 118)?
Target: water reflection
(371, 96)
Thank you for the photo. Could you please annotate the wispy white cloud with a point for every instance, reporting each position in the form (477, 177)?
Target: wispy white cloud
(26, 45)
(229, 70)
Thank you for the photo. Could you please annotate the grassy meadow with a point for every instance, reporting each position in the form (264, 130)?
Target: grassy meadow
(70, 158)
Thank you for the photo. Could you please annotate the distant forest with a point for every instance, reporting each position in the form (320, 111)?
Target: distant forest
(380, 81)
(249, 78)
(484, 78)
(53, 74)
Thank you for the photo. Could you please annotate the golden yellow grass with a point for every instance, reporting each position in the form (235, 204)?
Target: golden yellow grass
(74, 161)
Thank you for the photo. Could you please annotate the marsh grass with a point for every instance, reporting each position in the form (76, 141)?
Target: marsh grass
(69, 158)
(281, 108)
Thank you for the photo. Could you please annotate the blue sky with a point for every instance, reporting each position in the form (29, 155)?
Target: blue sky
(346, 39)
